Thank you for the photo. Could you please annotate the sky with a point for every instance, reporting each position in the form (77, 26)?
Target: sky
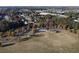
(39, 3)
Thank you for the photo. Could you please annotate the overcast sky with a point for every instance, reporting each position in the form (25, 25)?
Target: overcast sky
(39, 2)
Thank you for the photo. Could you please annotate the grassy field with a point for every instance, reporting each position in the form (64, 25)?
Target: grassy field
(46, 42)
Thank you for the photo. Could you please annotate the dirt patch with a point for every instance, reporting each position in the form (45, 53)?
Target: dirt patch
(46, 42)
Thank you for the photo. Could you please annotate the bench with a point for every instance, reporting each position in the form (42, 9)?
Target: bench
(3, 44)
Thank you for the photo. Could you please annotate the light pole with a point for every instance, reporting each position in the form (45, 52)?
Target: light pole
(77, 21)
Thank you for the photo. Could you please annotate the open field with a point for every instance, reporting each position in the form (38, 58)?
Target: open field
(46, 42)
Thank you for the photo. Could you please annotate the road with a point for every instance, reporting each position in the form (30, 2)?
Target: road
(46, 42)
